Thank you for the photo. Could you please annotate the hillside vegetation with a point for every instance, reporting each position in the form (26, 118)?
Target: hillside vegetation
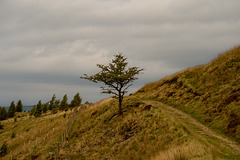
(28, 137)
(210, 93)
(147, 130)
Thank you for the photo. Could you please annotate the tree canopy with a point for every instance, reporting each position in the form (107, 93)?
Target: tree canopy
(116, 76)
(11, 110)
(76, 101)
(64, 103)
(19, 106)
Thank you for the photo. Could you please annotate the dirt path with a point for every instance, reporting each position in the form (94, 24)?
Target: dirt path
(198, 129)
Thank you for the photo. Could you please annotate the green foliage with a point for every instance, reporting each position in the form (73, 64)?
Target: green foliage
(57, 104)
(15, 119)
(11, 110)
(32, 112)
(52, 102)
(116, 76)
(3, 113)
(38, 111)
(64, 103)
(19, 106)
(76, 101)
(45, 108)
(3, 149)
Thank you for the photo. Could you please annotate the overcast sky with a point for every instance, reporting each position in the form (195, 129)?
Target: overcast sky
(45, 46)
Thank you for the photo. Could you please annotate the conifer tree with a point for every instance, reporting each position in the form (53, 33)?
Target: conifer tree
(64, 104)
(76, 101)
(32, 112)
(3, 113)
(19, 106)
(52, 101)
(45, 107)
(38, 111)
(11, 110)
(57, 103)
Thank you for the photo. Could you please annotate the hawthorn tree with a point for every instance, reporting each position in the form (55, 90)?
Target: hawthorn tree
(116, 76)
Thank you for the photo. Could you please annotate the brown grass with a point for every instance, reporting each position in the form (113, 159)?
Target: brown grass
(35, 137)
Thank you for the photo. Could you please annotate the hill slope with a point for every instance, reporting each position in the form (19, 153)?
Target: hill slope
(210, 93)
(149, 130)
(34, 138)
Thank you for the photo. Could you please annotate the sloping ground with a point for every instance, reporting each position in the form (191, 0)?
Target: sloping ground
(35, 138)
(199, 130)
(210, 93)
(146, 131)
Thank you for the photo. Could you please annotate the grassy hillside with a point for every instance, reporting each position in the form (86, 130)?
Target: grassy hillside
(210, 93)
(145, 132)
(35, 138)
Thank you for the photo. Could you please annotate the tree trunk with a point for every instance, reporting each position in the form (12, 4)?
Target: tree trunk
(120, 98)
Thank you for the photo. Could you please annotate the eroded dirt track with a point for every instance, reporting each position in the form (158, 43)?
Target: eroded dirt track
(197, 129)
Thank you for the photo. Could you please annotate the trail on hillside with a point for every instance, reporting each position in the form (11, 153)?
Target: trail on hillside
(197, 129)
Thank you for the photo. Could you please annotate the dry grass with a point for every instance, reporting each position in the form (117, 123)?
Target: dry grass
(192, 150)
(210, 93)
(98, 134)
(35, 137)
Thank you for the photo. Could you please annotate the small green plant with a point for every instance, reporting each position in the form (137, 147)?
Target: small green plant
(64, 116)
(3, 149)
(13, 135)
(15, 119)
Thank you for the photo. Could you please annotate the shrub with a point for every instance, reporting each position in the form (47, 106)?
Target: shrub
(15, 119)
(3, 150)
(13, 135)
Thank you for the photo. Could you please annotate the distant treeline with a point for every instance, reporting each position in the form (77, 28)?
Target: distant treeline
(54, 105)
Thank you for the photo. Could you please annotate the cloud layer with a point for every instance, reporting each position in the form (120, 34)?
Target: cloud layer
(46, 46)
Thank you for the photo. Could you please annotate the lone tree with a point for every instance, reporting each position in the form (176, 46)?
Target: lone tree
(116, 76)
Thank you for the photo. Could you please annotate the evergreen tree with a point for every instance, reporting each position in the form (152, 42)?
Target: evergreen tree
(76, 101)
(52, 101)
(32, 112)
(3, 113)
(64, 104)
(45, 107)
(57, 103)
(38, 111)
(11, 110)
(19, 106)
